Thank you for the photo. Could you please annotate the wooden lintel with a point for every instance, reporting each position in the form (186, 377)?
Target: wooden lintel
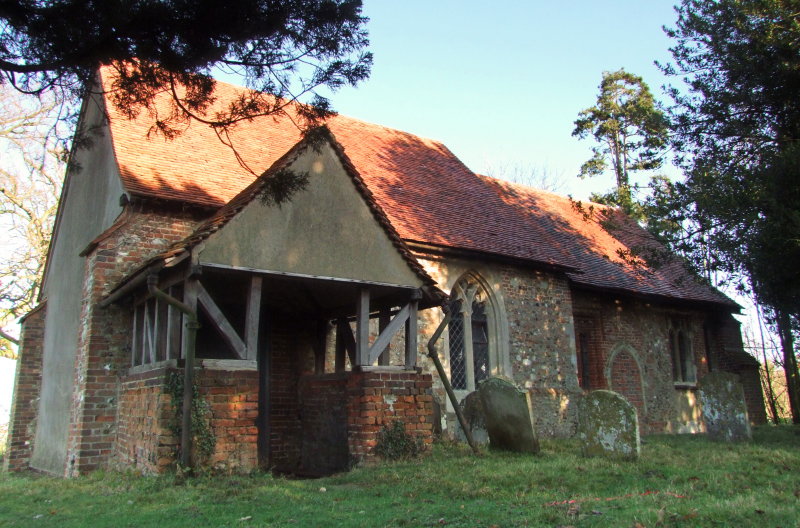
(304, 275)
(253, 316)
(411, 335)
(362, 328)
(221, 322)
(388, 333)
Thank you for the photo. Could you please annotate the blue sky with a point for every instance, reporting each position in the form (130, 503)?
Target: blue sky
(500, 83)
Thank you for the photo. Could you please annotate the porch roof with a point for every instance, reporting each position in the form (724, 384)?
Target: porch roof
(179, 251)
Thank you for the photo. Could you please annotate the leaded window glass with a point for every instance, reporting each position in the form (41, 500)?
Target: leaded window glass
(480, 342)
(470, 337)
(458, 367)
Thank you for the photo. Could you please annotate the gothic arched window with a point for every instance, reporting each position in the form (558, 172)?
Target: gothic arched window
(473, 335)
(684, 369)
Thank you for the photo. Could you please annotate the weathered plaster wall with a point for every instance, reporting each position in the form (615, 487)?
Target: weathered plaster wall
(325, 230)
(89, 205)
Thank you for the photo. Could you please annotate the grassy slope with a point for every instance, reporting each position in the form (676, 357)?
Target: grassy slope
(694, 483)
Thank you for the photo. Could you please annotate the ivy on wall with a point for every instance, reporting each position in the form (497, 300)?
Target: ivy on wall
(203, 438)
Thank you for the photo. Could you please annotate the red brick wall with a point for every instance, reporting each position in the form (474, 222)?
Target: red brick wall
(146, 440)
(378, 398)
(232, 396)
(596, 360)
(627, 380)
(104, 336)
(27, 384)
(144, 437)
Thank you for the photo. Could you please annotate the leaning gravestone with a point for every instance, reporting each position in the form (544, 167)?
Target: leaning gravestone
(509, 419)
(472, 409)
(724, 409)
(608, 426)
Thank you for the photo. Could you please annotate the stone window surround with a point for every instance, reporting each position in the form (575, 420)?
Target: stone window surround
(469, 285)
(679, 332)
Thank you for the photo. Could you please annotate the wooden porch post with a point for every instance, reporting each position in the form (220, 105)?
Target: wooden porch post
(253, 317)
(383, 322)
(411, 331)
(362, 328)
(190, 292)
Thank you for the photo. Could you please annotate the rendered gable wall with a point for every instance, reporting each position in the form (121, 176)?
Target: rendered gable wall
(90, 204)
(326, 230)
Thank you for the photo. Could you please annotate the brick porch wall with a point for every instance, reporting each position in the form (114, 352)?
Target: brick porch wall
(378, 398)
(27, 385)
(146, 440)
(232, 396)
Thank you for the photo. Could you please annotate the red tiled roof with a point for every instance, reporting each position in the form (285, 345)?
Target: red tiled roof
(601, 239)
(427, 194)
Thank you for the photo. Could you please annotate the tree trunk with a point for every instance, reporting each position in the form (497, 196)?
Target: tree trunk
(789, 364)
(772, 400)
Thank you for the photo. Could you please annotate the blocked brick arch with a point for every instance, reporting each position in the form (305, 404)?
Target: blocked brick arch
(624, 375)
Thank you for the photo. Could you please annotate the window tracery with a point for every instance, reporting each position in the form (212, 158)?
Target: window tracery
(474, 344)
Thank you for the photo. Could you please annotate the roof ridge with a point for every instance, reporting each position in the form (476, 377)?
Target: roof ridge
(338, 115)
(290, 103)
(538, 191)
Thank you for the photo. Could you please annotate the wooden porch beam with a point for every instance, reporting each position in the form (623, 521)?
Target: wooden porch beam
(221, 322)
(137, 340)
(386, 336)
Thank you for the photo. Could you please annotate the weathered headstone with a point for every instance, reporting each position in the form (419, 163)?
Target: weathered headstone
(608, 426)
(509, 419)
(724, 408)
(472, 409)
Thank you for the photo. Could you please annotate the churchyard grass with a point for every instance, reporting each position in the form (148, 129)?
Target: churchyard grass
(679, 481)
